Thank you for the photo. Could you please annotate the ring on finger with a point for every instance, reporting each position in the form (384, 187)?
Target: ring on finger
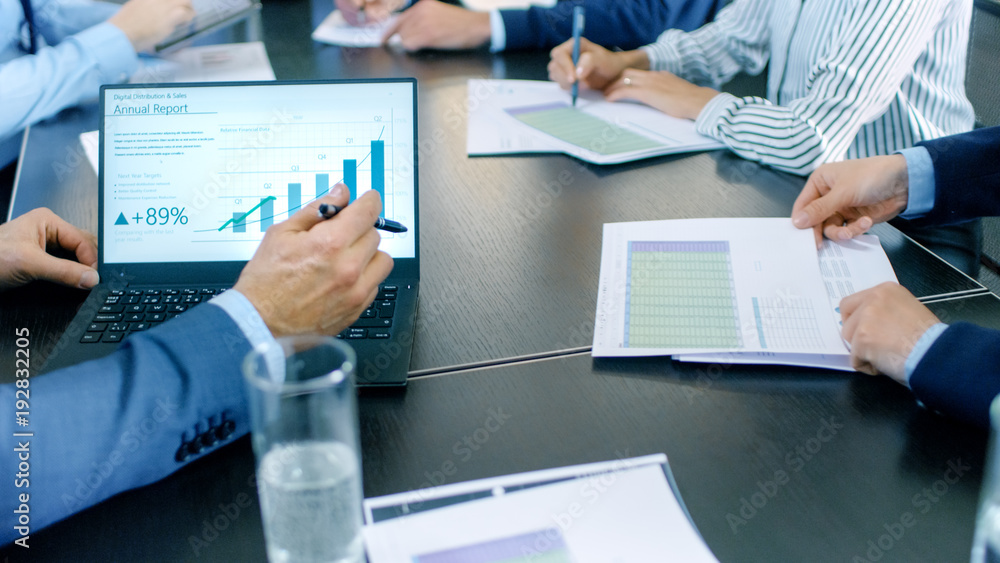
(627, 81)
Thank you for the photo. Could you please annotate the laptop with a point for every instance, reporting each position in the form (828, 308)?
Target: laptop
(210, 15)
(192, 175)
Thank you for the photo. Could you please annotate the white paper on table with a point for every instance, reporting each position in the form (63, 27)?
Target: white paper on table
(493, 131)
(780, 301)
(335, 30)
(630, 514)
(846, 268)
(228, 62)
(487, 5)
(90, 141)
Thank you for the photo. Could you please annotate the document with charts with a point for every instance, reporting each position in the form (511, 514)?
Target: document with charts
(622, 510)
(699, 286)
(527, 116)
(846, 268)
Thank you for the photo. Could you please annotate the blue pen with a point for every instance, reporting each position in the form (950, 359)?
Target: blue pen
(578, 20)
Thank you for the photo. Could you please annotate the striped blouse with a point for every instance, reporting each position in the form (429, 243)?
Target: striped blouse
(849, 78)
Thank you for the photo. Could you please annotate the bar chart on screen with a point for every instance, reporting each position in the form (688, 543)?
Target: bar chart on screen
(266, 182)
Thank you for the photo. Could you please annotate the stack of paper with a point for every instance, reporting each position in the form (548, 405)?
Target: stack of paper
(729, 290)
(613, 511)
(526, 116)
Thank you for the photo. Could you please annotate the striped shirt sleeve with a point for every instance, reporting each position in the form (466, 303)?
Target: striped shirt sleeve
(738, 40)
(853, 83)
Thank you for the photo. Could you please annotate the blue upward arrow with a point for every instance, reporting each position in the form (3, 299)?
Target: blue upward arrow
(121, 220)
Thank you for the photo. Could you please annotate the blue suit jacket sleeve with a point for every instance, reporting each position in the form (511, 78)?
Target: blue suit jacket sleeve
(966, 176)
(960, 374)
(627, 24)
(117, 423)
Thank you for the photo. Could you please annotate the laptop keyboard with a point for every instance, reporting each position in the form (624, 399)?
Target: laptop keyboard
(134, 310)
(376, 320)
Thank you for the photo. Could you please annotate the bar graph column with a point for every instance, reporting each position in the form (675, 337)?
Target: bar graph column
(294, 198)
(351, 177)
(378, 171)
(322, 184)
(239, 222)
(266, 214)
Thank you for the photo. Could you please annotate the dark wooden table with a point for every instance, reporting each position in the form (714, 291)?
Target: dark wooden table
(510, 255)
(826, 462)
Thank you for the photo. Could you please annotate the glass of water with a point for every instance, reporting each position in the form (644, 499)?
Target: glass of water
(304, 428)
(986, 544)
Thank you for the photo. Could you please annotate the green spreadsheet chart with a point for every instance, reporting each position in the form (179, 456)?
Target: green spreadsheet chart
(576, 127)
(681, 295)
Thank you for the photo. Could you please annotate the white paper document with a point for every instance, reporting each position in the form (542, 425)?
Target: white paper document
(700, 286)
(228, 62)
(527, 116)
(617, 511)
(846, 268)
(336, 31)
(487, 5)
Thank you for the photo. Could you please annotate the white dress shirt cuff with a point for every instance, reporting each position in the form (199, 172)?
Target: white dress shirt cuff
(243, 313)
(923, 188)
(921, 348)
(498, 33)
(708, 120)
(663, 55)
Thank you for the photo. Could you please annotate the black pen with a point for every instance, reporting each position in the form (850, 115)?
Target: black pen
(327, 211)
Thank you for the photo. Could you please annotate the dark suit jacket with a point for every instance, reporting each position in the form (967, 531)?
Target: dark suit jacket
(960, 374)
(627, 24)
(99, 428)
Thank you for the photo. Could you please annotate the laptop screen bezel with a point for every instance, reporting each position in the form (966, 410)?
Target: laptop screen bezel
(226, 272)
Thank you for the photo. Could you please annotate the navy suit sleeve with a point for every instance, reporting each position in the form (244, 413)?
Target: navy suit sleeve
(960, 374)
(626, 24)
(966, 176)
(118, 423)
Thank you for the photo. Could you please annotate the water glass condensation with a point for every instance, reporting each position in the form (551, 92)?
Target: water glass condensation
(304, 427)
(986, 544)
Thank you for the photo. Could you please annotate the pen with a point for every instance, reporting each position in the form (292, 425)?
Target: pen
(327, 211)
(578, 20)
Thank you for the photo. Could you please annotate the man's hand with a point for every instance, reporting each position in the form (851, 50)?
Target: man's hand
(316, 275)
(147, 22)
(882, 324)
(662, 90)
(430, 24)
(23, 257)
(596, 68)
(844, 199)
(364, 12)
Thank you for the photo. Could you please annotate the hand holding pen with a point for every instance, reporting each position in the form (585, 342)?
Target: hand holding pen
(364, 12)
(328, 210)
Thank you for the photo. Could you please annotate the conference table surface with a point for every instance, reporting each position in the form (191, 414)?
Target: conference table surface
(510, 253)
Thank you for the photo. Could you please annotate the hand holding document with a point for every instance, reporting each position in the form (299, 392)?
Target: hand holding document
(614, 511)
(729, 290)
(336, 31)
(525, 116)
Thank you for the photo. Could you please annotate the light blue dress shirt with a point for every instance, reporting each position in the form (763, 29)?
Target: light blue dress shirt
(243, 313)
(920, 200)
(77, 52)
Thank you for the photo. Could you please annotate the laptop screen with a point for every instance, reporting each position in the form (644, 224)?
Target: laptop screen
(197, 173)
